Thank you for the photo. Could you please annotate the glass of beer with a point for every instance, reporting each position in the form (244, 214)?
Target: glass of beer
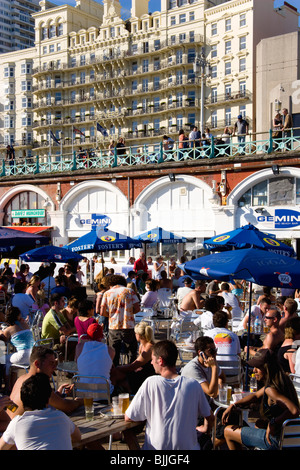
(88, 408)
(124, 399)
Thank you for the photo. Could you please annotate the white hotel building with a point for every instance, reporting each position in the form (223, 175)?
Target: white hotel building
(135, 77)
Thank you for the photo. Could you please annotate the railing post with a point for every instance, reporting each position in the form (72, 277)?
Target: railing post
(3, 167)
(292, 139)
(270, 149)
(212, 147)
(74, 167)
(161, 153)
(115, 163)
(37, 169)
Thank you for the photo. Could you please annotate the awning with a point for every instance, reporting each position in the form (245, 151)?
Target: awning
(30, 229)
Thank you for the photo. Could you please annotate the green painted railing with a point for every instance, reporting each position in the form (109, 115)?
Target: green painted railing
(100, 159)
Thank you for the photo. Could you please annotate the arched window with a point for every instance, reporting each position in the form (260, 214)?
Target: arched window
(25, 201)
(281, 191)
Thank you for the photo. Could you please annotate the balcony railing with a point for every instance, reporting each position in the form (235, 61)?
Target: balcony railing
(130, 156)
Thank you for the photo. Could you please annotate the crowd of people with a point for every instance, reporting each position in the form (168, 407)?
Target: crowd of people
(176, 401)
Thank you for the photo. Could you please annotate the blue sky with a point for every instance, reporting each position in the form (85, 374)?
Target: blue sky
(154, 5)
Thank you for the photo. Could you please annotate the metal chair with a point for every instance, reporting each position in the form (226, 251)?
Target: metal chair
(93, 386)
(296, 382)
(230, 364)
(46, 342)
(96, 387)
(290, 435)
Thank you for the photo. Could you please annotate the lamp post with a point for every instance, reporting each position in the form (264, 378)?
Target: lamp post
(202, 69)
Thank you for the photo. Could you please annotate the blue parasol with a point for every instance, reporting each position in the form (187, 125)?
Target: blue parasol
(253, 265)
(248, 236)
(11, 239)
(50, 254)
(159, 235)
(102, 240)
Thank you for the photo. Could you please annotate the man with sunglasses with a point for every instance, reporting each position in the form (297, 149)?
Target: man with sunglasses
(204, 367)
(275, 337)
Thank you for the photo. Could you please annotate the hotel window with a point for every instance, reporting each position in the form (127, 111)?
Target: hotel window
(242, 43)
(214, 119)
(214, 71)
(228, 24)
(182, 18)
(227, 47)
(242, 20)
(214, 29)
(214, 51)
(145, 85)
(157, 44)
(214, 95)
(227, 68)
(228, 117)
(60, 29)
(192, 36)
(173, 20)
(242, 64)
(145, 65)
(156, 83)
(192, 15)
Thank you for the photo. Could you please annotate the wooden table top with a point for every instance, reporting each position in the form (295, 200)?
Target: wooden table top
(99, 427)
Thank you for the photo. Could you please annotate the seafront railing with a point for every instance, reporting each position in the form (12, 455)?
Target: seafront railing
(99, 159)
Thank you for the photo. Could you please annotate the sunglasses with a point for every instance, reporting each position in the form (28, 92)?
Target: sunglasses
(269, 318)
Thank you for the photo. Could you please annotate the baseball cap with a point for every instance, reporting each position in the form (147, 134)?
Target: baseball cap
(240, 116)
(187, 280)
(261, 357)
(95, 332)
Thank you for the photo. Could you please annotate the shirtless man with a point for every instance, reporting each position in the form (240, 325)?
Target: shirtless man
(43, 360)
(194, 300)
(275, 337)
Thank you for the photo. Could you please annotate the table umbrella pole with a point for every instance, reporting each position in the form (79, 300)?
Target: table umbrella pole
(248, 337)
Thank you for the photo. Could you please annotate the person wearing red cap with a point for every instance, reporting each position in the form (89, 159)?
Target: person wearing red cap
(279, 402)
(93, 356)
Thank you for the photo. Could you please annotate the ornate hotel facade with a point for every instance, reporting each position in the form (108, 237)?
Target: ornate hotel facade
(152, 74)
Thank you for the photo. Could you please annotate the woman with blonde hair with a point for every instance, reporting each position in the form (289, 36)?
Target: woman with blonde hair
(33, 287)
(131, 376)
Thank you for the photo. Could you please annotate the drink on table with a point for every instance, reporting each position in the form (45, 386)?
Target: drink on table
(124, 399)
(223, 394)
(89, 408)
(253, 384)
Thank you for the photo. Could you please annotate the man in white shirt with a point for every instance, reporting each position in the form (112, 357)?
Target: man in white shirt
(40, 427)
(232, 301)
(257, 310)
(22, 300)
(170, 403)
(226, 342)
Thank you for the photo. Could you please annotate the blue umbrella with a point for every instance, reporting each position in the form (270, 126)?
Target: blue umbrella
(254, 265)
(248, 236)
(159, 235)
(251, 264)
(50, 254)
(11, 239)
(102, 240)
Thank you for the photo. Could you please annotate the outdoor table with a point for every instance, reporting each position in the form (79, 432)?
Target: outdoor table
(158, 320)
(100, 427)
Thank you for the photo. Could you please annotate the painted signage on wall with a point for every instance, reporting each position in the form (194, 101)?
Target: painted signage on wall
(282, 219)
(28, 213)
(97, 220)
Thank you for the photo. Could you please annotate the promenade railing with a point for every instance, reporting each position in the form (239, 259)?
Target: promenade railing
(259, 144)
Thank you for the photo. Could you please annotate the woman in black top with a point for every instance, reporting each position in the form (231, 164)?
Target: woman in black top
(286, 353)
(278, 400)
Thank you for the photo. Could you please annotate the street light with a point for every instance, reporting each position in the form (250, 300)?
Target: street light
(202, 69)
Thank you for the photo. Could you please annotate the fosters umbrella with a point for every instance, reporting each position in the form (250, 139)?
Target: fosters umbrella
(253, 265)
(50, 254)
(102, 239)
(248, 236)
(159, 235)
